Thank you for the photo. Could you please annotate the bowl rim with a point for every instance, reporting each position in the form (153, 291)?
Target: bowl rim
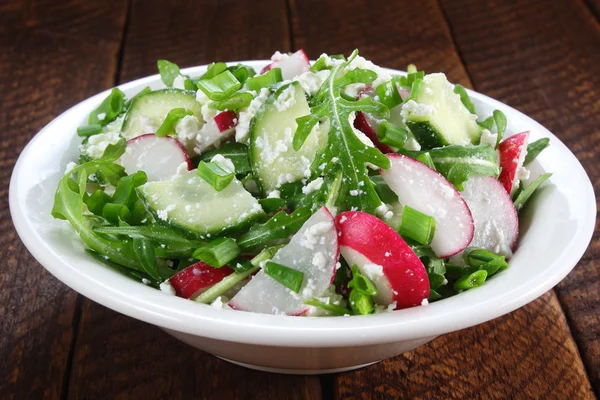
(181, 315)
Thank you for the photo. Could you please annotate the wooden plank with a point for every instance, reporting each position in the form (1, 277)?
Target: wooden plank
(543, 58)
(47, 64)
(118, 357)
(594, 6)
(426, 40)
(528, 354)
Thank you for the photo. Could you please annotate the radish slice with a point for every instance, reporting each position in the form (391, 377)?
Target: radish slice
(404, 93)
(424, 189)
(369, 126)
(158, 157)
(195, 279)
(314, 251)
(292, 66)
(495, 216)
(384, 257)
(221, 127)
(512, 154)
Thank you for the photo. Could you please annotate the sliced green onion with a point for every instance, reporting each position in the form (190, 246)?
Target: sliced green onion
(215, 175)
(413, 75)
(231, 280)
(471, 281)
(89, 130)
(242, 72)
(265, 80)
(477, 257)
(426, 159)
(236, 152)
(271, 204)
(361, 303)
(391, 135)
(144, 252)
(464, 98)
(361, 283)
(386, 194)
(235, 102)
(524, 196)
(171, 120)
(288, 277)
(388, 94)
(115, 212)
(411, 68)
(220, 86)
(95, 203)
(533, 150)
(417, 226)
(319, 65)
(125, 192)
(241, 266)
(330, 308)
(219, 252)
(168, 71)
(110, 107)
(213, 70)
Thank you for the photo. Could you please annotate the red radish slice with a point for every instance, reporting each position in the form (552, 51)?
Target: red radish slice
(512, 153)
(314, 251)
(495, 216)
(424, 189)
(369, 127)
(384, 257)
(195, 279)
(221, 127)
(158, 157)
(292, 66)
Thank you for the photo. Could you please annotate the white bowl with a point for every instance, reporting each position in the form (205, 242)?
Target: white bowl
(556, 230)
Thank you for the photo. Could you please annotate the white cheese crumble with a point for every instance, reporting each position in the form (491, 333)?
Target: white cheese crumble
(425, 302)
(313, 234)
(201, 97)
(223, 162)
(360, 62)
(319, 261)
(70, 167)
(311, 82)
(98, 143)
(274, 194)
(179, 82)
(242, 129)
(353, 89)
(373, 271)
(181, 170)
(101, 116)
(164, 214)
(412, 144)
(489, 138)
(313, 185)
(286, 98)
(522, 173)
(167, 288)
(413, 108)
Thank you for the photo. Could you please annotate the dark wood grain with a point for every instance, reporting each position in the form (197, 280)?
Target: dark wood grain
(454, 366)
(118, 357)
(52, 56)
(544, 59)
(594, 6)
(528, 354)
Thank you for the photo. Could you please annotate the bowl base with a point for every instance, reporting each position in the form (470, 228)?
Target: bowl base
(297, 371)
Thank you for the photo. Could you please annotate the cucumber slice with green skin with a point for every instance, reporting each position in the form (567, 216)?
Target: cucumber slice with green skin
(436, 116)
(188, 203)
(272, 157)
(147, 112)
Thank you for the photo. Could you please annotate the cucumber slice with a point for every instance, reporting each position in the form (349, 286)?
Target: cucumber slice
(148, 111)
(437, 117)
(272, 157)
(189, 203)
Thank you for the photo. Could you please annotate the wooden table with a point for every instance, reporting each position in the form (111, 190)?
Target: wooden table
(542, 57)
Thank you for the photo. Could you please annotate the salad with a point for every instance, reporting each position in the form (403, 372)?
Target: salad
(331, 188)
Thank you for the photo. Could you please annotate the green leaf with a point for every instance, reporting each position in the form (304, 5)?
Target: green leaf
(361, 283)
(426, 159)
(386, 194)
(279, 226)
(464, 98)
(168, 125)
(271, 204)
(96, 201)
(436, 268)
(288, 277)
(535, 148)
(144, 252)
(158, 233)
(501, 122)
(168, 71)
(125, 193)
(242, 72)
(114, 151)
(526, 194)
(487, 123)
(343, 144)
(458, 163)
(108, 110)
(236, 152)
(361, 303)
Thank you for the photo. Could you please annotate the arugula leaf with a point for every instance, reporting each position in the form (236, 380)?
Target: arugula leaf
(436, 268)
(464, 98)
(535, 148)
(108, 110)
(154, 232)
(279, 226)
(144, 253)
(526, 194)
(343, 144)
(114, 151)
(69, 205)
(168, 71)
(458, 163)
